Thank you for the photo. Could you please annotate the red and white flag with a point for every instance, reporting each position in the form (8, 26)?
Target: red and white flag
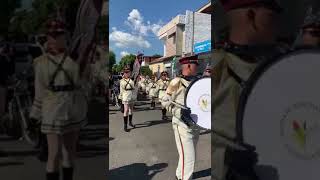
(83, 39)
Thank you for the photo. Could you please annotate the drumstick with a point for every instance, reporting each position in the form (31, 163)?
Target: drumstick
(231, 143)
(179, 105)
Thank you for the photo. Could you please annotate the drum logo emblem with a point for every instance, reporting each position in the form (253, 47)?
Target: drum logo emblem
(300, 130)
(204, 102)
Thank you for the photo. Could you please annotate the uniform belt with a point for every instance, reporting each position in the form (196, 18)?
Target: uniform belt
(128, 89)
(162, 89)
(62, 88)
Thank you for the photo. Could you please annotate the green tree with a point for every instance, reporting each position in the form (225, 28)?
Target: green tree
(145, 70)
(7, 10)
(33, 21)
(112, 59)
(127, 60)
(156, 55)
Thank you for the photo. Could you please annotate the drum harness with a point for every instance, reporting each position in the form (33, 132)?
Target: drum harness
(128, 83)
(165, 85)
(60, 88)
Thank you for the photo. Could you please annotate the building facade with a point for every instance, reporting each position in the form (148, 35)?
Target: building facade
(185, 35)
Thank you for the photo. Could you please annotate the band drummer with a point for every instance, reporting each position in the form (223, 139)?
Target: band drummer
(153, 91)
(127, 88)
(163, 83)
(251, 41)
(311, 29)
(207, 71)
(186, 133)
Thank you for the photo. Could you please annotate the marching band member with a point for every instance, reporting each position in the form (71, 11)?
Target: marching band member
(60, 102)
(127, 95)
(153, 89)
(163, 83)
(147, 82)
(207, 71)
(186, 133)
(250, 42)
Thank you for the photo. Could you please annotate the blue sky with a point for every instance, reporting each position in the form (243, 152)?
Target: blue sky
(133, 23)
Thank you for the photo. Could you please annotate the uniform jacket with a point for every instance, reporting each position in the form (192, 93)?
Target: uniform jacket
(63, 105)
(127, 90)
(162, 86)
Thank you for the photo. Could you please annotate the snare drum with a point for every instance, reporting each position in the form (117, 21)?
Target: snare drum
(279, 114)
(198, 99)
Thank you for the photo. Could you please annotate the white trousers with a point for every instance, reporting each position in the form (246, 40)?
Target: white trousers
(186, 141)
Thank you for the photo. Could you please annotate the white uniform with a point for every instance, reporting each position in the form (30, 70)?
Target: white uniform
(62, 111)
(153, 89)
(148, 81)
(127, 91)
(186, 137)
(162, 86)
(142, 84)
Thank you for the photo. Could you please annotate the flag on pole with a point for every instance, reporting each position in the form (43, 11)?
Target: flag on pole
(137, 66)
(173, 66)
(83, 39)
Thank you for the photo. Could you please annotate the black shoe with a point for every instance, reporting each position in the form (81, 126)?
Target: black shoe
(177, 178)
(53, 176)
(130, 121)
(165, 118)
(125, 122)
(67, 173)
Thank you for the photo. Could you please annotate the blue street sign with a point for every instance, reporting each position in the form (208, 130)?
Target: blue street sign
(201, 47)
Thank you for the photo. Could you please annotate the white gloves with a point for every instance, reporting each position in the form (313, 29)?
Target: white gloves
(166, 100)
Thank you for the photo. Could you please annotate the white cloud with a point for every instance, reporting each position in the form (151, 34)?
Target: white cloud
(127, 40)
(136, 21)
(124, 53)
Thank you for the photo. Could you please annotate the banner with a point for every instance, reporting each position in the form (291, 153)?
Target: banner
(83, 39)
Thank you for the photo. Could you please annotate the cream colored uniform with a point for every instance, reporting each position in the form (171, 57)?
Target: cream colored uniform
(63, 111)
(162, 86)
(186, 137)
(153, 89)
(127, 91)
(148, 81)
(142, 84)
(226, 94)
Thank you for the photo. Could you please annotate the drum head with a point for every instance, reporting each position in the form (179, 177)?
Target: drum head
(198, 99)
(280, 115)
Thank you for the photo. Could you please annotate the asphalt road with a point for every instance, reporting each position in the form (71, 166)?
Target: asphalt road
(149, 150)
(18, 159)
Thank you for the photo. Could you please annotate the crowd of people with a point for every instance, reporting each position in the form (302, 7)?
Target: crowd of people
(165, 91)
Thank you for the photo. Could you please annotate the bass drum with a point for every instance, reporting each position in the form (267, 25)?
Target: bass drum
(198, 99)
(279, 114)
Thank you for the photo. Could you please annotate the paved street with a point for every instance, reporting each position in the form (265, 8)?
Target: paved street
(92, 154)
(149, 151)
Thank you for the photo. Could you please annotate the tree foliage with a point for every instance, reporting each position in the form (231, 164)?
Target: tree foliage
(127, 60)
(146, 71)
(33, 21)
(7, 9)
(112, 59)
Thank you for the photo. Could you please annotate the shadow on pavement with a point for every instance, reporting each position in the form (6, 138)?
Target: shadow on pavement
(138, 171)
(19, 153)
(150, 123)
(142, 109)
(93, 134)
(97, 113)
(202, 173)
(88, 151)
(5, 164)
